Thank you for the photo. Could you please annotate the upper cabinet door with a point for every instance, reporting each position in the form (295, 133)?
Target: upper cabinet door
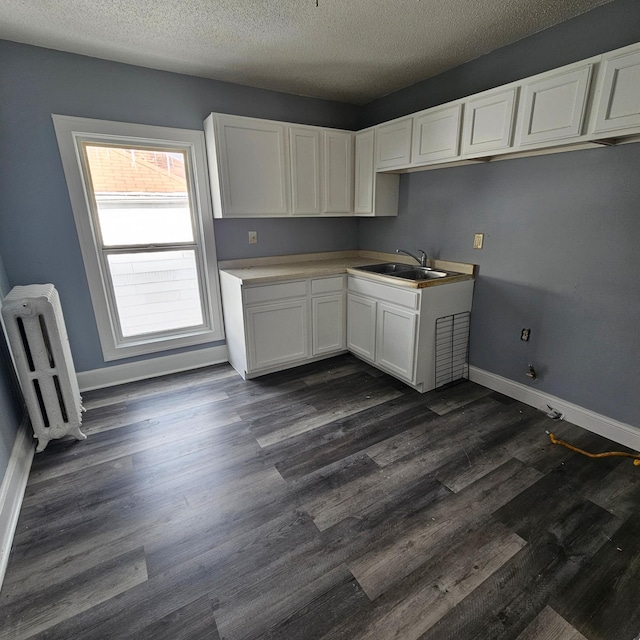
(304, 146)
(619, 105)
(253, 166)
(338, 172)
(393, 144)
(364, 173)
(554, 106)
(488, 122)
(436, 134)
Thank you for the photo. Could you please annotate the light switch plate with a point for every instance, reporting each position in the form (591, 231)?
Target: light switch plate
(253, 237)
(478, 240)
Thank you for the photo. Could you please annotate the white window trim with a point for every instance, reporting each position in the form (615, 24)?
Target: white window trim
(69, 132)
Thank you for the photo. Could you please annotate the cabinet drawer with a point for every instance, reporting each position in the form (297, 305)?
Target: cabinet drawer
(396, 295)
(273, 292)
(327, 285)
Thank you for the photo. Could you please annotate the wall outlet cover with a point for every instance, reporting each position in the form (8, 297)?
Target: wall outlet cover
(253, 237)
(478, 240)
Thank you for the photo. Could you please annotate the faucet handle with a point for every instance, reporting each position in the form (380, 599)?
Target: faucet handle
(423, 258)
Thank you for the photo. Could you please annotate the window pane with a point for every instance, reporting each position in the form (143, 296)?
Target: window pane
(141, 195)
(156, 291)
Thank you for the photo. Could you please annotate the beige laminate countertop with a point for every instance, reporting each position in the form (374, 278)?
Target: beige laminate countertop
(318, 265)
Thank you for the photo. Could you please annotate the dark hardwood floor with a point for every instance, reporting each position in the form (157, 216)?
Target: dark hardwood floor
(326, 502)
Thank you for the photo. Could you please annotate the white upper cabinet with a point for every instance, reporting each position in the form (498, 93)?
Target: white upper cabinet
(376, 194)
(436, 134)
(364, 172)
(274, 169)
(338, 171)
(619, 105)
(553, 106)
(488, 121)
(262, 168)
(393, 144)
(304, 148)
(253, 167)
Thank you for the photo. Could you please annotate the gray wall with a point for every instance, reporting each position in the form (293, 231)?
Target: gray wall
(561, 233)
(11, 410)
(37, 234)
(549, 220)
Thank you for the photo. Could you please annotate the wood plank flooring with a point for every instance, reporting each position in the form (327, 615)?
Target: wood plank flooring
(322, 503)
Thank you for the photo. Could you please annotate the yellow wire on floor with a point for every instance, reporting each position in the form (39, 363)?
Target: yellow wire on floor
(606, 454)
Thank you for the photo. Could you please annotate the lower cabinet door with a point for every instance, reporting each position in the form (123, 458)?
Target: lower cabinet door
(396, 340)
(327, 324)
(277, 333)
(361, 326)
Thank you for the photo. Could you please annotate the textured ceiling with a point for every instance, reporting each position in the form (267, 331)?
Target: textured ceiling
(347, 50)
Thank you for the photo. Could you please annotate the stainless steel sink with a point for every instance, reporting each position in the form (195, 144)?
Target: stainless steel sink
(406, 271)
(387, 268)
(421, 273)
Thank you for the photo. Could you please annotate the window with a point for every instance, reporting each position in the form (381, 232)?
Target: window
(141, 205)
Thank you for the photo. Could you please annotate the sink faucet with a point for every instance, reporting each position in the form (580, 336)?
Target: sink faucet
(422, 259)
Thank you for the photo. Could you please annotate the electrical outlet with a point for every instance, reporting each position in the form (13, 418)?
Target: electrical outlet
(478, 240)
(524, 334)
(253, 237)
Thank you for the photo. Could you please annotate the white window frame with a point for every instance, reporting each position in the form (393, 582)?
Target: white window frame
(71, 132)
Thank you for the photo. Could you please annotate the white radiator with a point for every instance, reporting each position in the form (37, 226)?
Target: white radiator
(38, 339)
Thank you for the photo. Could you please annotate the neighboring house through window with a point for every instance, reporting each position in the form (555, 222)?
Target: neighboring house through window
(142, 209)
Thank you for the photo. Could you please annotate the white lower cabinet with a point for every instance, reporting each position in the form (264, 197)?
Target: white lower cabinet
(384, 335)
(277, 334)
(328, 324)
(279, 325)
(396, 340)
(361, 326)
(394, 328)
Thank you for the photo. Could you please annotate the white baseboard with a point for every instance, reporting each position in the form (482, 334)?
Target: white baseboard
(12, 489)
(151, 368)
(619, 432)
